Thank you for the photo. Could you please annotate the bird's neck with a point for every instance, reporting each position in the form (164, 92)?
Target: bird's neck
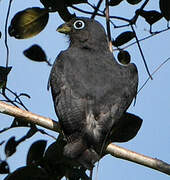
(91, 45)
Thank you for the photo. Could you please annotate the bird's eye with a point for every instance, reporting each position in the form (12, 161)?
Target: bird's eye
(79, 24)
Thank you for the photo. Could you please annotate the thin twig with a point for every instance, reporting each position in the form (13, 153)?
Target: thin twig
(156, 70)
(6, 33)
(97, 8)
(140, 49)
(86, 12)
(17, 98)
(147, 37)
(108, 26)
(101, 15)
(134, 19)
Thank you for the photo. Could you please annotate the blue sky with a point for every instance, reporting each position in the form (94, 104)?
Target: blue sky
(153, 102)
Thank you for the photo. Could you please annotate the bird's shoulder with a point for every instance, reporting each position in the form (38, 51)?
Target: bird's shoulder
(56, 71)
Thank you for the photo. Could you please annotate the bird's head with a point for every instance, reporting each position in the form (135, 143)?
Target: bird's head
(84, 32)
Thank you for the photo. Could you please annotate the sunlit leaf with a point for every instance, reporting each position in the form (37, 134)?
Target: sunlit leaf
(165, 8)
(123, 38)
(114, 2)
(4, 168)
(36, 151)
(28, 23)
(133, 2)
(10, 147)
(4, 71)
(124, 57)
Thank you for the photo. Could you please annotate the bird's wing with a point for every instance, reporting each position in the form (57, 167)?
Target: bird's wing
(68, 107)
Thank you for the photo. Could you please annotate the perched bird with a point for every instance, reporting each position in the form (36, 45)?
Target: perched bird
(90, 90)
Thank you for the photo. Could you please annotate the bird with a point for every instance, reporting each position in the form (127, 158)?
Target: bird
(91, 91)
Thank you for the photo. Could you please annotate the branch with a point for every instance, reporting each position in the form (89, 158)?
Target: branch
(126, 154)
(96, 9)
(28, 116)
(108, 26)
(112, 149)
(141, 52)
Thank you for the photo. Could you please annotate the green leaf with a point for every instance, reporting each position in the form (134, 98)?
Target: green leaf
(28, 23)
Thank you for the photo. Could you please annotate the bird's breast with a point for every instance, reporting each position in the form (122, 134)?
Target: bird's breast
(89, 77)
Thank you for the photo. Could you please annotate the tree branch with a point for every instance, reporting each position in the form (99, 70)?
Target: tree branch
(126, 154)
(112, 149)
(28, 116)
(108, 26)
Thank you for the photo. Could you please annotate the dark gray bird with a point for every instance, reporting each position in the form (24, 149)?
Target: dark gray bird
(90, 90)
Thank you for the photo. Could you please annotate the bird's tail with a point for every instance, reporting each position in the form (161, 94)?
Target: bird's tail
(79, 151)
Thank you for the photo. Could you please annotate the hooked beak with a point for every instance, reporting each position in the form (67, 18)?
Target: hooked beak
(64, 28)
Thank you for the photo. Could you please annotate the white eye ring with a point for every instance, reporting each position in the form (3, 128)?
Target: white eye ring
(79, 24)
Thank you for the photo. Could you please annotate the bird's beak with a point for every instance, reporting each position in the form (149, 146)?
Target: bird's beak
(64, 28)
